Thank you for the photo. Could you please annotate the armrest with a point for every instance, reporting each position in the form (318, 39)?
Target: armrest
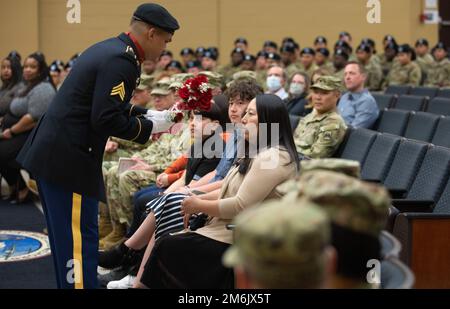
(413, 205)
(397, 193)
(420, 215)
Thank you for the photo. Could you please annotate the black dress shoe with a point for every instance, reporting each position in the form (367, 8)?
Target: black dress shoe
(114, 257)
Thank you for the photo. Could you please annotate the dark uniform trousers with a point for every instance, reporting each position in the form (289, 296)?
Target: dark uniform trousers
(64, 152)
(73, 232)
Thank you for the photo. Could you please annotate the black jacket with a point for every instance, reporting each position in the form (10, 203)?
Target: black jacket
(296, 106)
(66, 147)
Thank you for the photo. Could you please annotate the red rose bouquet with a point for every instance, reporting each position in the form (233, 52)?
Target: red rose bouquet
(196, 94)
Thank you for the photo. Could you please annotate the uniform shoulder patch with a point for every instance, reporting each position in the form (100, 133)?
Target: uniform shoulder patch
(119, 90)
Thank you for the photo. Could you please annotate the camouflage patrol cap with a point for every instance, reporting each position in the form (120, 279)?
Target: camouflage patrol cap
(328, 83)
(347, 167)
(281, 246)
(162, 87)
(242, 75)
(351, 203)
(177, 80)
(215, 79)
(145, 82)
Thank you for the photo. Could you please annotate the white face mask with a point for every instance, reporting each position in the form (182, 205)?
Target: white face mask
(296, 89)
(273, 83)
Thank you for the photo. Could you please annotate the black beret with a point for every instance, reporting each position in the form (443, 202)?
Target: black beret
(320, 39)
(288, 47)
(261, 53)
(154, 14)
(342, 44)
(238, 51)
(174, 64)
(273, 56)
(214, 50)
(391, 45)
(422, 42)
(186, 51)
(270, 44)
(344, 33)
(54, 68)
(341, 52)
(288, 39)
(249, 57)
(308, 51)
(405, 48)
(368, 41)
(364, 47)
(324, 51)
(389, 38)
(166, 53)
(440, 45)
(70, 64)
(193, 64)
(241, 40)
(210, 54)
(200, 50)
(58, 63)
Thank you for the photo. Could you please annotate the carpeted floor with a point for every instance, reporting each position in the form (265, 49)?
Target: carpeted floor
(31, 274)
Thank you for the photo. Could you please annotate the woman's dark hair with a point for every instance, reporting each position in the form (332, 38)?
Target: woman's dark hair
(218, 111)
(272, 110)
(43, 73)
(16, 70)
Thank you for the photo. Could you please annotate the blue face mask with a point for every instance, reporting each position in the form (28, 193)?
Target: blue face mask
(273, 83)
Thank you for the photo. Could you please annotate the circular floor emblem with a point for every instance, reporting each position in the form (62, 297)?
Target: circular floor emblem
(20, 246)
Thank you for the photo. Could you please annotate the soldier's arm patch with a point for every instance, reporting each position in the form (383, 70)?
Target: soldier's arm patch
(119, 90)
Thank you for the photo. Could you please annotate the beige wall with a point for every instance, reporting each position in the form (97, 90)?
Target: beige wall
(41, 24)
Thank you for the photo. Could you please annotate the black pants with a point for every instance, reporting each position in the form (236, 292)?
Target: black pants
(9, 168)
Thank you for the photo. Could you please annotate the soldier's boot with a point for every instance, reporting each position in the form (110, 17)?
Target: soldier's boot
(104, 222)
(115, 237)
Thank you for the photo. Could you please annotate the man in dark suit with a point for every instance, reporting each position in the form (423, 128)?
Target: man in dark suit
(64, 152)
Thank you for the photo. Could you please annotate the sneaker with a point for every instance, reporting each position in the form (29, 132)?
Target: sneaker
(125, 283)
(113, 275)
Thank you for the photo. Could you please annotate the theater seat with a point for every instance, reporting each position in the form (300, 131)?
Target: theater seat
(407, 161)
(380, 157)
(439, 106)
(393, 121)
(410, 103)
(444, 93)
(294, 121)
(398, 90)
(396, 275)
(358, 145)
(384, 101)
(390, 246)
(424, 236)
(430, 92)
(421, 126)
(442, 134)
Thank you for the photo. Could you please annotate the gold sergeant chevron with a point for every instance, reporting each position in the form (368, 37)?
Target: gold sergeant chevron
(119, 90)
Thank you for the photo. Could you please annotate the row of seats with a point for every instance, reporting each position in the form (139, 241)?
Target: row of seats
(430, 92)
(419, 126)
(438, 106)
(418, 176)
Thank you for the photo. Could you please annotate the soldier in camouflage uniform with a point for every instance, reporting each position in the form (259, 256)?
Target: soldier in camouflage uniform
(424, 58)
(323, 60)
(307, 59)
(388, 59)
(439, 74)
(407, 71)
(358, 212)
(281, 246)
(320, 133)
(163, 99)
(289, 59)
(340, 60)
(374, 72)
(237, 57)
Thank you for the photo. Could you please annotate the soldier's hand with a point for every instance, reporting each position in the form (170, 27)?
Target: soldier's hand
(161, 120)
(111, 147)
